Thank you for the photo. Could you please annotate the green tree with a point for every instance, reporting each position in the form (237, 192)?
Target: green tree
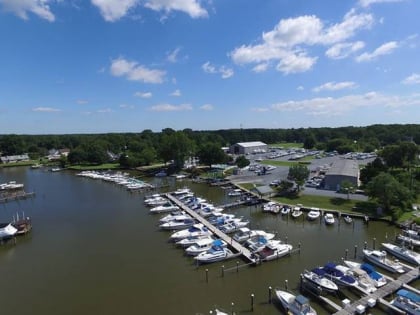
(211, 153)
(241, 161)
(310, 141)
(299, 173)
(284, 188)
(371, 170)
(348, 187)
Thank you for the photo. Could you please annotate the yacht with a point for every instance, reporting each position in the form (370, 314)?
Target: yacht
(196, 230)
(336, 275)
(329, 218)
(285, 210)
(296, 305)
(380, 259)
(203, 245)
(257, 243)
(244, 234)
(296, 213)
(273, 250)
(178, 224)
(313, 214)
(407, 301)
(7, 230)
(191, 240)
(175, 215)
(376, 278)
(402, 253)
(167, 207)
(215, 253)
(319, 280)
(232, 227)
(364, 282)
(272, 207)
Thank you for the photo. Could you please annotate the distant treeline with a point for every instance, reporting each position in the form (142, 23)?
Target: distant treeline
(148, 146)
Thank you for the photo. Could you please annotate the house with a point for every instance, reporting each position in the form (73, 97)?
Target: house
(15, 158)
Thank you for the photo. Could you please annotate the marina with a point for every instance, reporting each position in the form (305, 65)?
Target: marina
(74, 217)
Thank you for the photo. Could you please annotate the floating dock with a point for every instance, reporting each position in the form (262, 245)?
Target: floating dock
(245, 252)
(379, 294)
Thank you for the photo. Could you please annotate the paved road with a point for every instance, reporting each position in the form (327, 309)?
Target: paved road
(281, 172)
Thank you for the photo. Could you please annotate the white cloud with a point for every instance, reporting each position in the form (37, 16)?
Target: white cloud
(289, 41)
(207, 107)
(21, 8)
(384, 49)
(143, 94)
(82, 102)
(366, 3)
(300, 88)
(176, 93)
(334, 86)
(329, 106)
(113, 10)
(104, 110)
(412, 79)
(343, 50)
(224, 71)
(191, 7)
(260, 109)
(126, 106)
(46, 109)
(173, 55)
(170, 108)
(131, 70)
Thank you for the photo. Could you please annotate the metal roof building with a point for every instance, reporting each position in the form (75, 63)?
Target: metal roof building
(342, 170)
(248, 147)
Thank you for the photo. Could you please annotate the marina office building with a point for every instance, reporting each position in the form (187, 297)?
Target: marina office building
(248, 147)
(342, 170)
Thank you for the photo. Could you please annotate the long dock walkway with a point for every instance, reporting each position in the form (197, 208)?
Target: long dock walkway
(382, 292)
(245, 252)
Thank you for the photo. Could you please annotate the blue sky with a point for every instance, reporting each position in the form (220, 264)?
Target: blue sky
(93, 66)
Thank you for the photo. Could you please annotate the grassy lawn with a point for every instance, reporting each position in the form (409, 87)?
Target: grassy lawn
(106, 166)
(24, 163)
(286, 145)
(284, 163)
(247, 186)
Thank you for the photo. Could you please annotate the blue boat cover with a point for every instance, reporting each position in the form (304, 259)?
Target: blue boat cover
(331, 269)
(409, 295)
(348, 279)
(217, 242)
(367, 267)
(301, 300)
(318, 271)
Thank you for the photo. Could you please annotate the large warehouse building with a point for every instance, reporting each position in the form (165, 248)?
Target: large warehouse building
(248, 147)
(342, 170)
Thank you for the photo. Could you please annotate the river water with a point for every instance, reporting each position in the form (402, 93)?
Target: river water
(95, 249)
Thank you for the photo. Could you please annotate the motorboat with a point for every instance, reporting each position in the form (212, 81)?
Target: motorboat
(272, 207)
(319, 280)
(412, 234)
(198, 229)
(203, 245)
(408, 240)
(329, 219)
(376, 278)
(379, 258)
(215, 253)
(155, 200)
(218, 312)
(235, 192)
(167, 207)
(208, 210)
(296, 212)
(313, 214)
(191, 240)
(243, 234)
(348, 219)
(232, 227)
(296, 305)
(285, 210)
(402, 253)
(364, 282)
(175, 215)
(7, 230)
(407, 301)
(178, 224)
(257, 243)
(273, 250)
(336, 275)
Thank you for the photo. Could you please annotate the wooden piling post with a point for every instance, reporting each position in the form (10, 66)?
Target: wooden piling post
(355, 251)
(299, 247)
(223, 271)
(252, 302)
(374, 243)
(232, 306)
(346, 254)
(270, 289)
(365, 245)
(237, 266)
(286, 284)
(207, 275)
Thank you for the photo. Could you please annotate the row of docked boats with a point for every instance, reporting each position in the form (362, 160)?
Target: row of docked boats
(119, 178)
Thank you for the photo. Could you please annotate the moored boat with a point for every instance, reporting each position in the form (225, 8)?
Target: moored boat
(329, 219)
(338, 276)
(364, 282)
(407, 301)
(296, 305)
(319, 280)
(313, 214)
(203, 245)
(178, 224)
(348, 219)
(215, 253)
(402, 253)
(243, 234)
(296, 212)
(273, 251)
(7, 230)
(380, 259)
(167, 207)
(196, 230)
(376, 278)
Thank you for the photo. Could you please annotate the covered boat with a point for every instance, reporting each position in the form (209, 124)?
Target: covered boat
(407, 301)
(296, 305)
(203, 245)
(215, 253)
(317, 278)
(338, 276)
(7, 230)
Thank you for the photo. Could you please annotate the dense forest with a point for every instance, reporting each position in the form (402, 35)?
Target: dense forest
(143, 148)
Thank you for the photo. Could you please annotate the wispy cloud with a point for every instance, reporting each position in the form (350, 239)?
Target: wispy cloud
(171, 108)
(21, 8)
(260, 109)
(143, 94)
(382, 50)
(173, 55)
(131, 70)
(176, 93)
(104, 110)
(300, 88)
(412, 79)
(207, 107)
(82, 102)
(334, 86)
(190, 7)
(366, 3)
(344, 50)
(126, 106)
(46, 109)
(113, 10)
(224, 71)
(287, 44)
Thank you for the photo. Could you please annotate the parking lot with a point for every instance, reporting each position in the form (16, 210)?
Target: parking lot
(280, 173)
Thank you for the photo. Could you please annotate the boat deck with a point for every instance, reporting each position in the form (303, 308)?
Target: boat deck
(382, 292)
(245, 252)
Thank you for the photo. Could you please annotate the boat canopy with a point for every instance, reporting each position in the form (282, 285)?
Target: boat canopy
(371, 271)
(217, 242)
(409, 295)
(300, 299)
(319, 271)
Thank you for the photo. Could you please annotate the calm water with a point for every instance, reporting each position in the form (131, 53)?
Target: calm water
(95, 249)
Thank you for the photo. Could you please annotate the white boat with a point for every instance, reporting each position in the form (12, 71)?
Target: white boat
(273, 251)
(313, 214)
(243, 234)
(188, 241)
(167, 207)
(402, 253)
(272, 207)
(379, 258)
(178, 224)
(7, 230)
(196, 230)
(203, 245)
(235, 192)
(408, 240)
(375, 277)
(348, 219)
(296, 213)
(232, 227)
(320, 281)
(155, 200)
(218, 312)
(174, 215)
(257, 243)
(329, 218)
(215, 253)
(285, 210)
(336, 275)
(296, 305)
(411, 234)
(407, 301)
(363, 280)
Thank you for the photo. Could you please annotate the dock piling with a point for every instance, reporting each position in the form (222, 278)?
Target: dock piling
(374, 243)
(269, 294)
(237, 266)
(207, 275)
(355, 251)
(365, 245)
(252, 302)
(286, 284)
(299, 247)
(223, 271)
(346, 254)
